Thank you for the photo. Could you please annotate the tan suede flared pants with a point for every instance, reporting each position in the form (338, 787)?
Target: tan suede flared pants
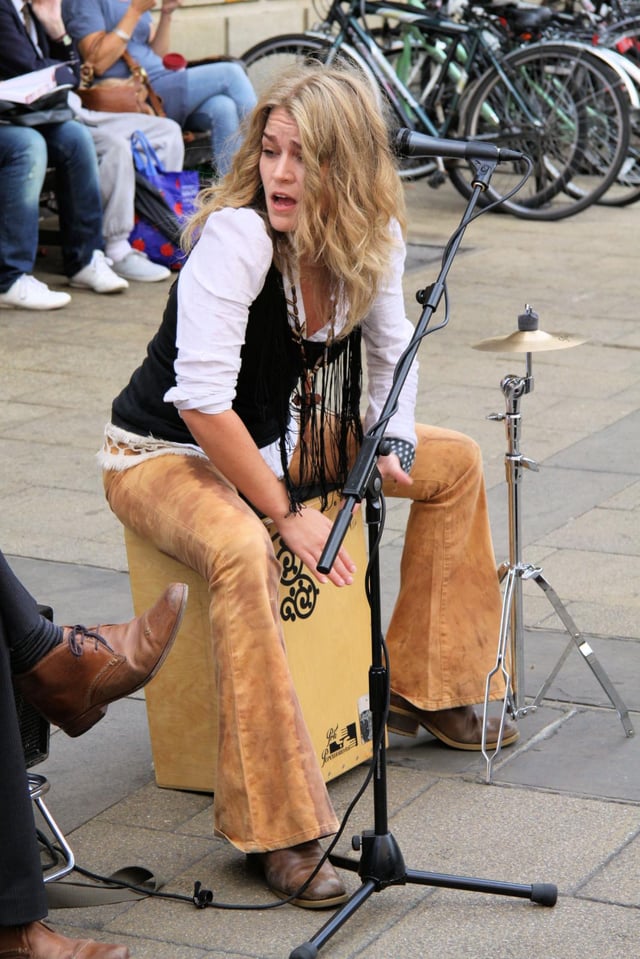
(442, 639)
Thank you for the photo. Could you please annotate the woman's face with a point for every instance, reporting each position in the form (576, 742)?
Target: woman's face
(281, 170)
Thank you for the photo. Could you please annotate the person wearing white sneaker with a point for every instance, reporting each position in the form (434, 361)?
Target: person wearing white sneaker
(23, 160)
(27, 293)
(23, 164)
(138, 267)
(45, 43)
(67, 146)
(98, 276)
(111, 133)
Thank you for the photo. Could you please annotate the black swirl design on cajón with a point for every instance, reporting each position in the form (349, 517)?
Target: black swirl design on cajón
(300, 599)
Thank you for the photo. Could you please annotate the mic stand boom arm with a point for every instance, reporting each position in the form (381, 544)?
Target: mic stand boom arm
(381, 863)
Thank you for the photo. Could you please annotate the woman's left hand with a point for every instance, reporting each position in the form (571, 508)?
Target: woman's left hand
(390, 469)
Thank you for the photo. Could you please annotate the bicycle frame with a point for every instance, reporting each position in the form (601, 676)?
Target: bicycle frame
(343, 29)
(352, 36)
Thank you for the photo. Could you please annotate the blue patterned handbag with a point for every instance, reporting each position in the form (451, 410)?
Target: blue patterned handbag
(164, 200)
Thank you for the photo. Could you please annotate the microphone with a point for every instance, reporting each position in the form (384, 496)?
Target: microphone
(412, 144)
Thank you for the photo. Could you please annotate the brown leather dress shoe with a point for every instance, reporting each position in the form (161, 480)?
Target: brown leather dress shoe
(286, 870)
(460, 727)
(73, 684)
(38, 941)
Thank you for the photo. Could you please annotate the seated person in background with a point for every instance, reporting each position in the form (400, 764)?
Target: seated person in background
(69, 674)
(24, 155)
(44, 42)
(249, 394)
(210, 96)
(112, 134)
(23, 164)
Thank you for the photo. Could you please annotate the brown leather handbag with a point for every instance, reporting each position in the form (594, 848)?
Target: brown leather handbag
(132, 94)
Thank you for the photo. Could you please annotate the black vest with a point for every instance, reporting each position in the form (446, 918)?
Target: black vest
(270, 366)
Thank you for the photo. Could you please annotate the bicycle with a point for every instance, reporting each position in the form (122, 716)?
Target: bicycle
(514, 113)
(618, 43)
(516, 26)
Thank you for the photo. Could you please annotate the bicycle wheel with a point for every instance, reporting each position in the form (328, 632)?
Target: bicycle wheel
(267, 59)
(625, 189)
(417, 70)
(624, 37)
(565, 109)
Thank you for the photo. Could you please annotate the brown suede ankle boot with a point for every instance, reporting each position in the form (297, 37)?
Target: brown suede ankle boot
(460, 727)
(286, 870)
(73, 684)
(37, 941)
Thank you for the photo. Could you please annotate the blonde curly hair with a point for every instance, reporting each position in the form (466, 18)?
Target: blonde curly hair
(351, 187)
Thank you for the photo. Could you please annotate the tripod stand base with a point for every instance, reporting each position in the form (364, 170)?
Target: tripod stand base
(512, 625)
(586, 652)
(382, 865)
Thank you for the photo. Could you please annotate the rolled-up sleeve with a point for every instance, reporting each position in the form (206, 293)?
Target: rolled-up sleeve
(386, 332)
(222, 277)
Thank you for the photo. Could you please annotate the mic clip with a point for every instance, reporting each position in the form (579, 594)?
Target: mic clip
(483, 171)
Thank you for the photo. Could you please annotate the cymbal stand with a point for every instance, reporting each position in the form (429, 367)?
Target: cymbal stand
(512, 574)
(381, 863)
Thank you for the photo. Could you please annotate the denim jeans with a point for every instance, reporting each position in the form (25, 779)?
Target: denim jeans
(24, 156)
(23, 164)
(217, 97)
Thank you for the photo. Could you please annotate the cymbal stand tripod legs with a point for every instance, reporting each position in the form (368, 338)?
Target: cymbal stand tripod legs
(512, 574)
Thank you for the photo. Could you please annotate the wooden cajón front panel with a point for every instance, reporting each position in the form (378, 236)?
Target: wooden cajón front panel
(327, 635)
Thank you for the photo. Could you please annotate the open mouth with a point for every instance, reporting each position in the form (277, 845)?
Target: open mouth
(281, 201)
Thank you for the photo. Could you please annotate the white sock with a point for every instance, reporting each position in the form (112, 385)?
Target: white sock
(117, 249)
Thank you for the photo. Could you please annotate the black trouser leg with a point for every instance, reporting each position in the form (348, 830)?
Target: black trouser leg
(22, 895)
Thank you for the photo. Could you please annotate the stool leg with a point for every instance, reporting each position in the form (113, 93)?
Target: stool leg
(37, 786)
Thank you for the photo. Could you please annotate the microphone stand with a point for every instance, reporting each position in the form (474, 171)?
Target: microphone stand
(381, 863)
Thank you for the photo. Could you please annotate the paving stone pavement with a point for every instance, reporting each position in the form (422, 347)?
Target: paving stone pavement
(563, 805)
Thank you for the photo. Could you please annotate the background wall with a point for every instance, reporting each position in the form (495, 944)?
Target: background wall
(209, 27)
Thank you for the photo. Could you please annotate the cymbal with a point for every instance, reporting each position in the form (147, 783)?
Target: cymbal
(528, 341)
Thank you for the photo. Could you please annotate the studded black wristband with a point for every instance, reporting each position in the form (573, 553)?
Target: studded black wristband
(404, 450)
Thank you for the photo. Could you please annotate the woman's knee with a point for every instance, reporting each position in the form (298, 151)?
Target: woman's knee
(247, 541)
(458, 445)
(210, 528)
(239, 559)
(26, 146)
(221, 112)
(443, 458)
(26, 152)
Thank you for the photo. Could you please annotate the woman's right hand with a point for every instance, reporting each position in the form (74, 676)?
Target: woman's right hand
(306, 534)
(227, 443)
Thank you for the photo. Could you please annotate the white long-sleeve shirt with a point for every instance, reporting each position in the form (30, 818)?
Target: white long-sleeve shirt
(223, 276)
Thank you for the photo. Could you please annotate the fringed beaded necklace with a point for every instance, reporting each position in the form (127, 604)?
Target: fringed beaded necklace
(327, 401)
(306, 395)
